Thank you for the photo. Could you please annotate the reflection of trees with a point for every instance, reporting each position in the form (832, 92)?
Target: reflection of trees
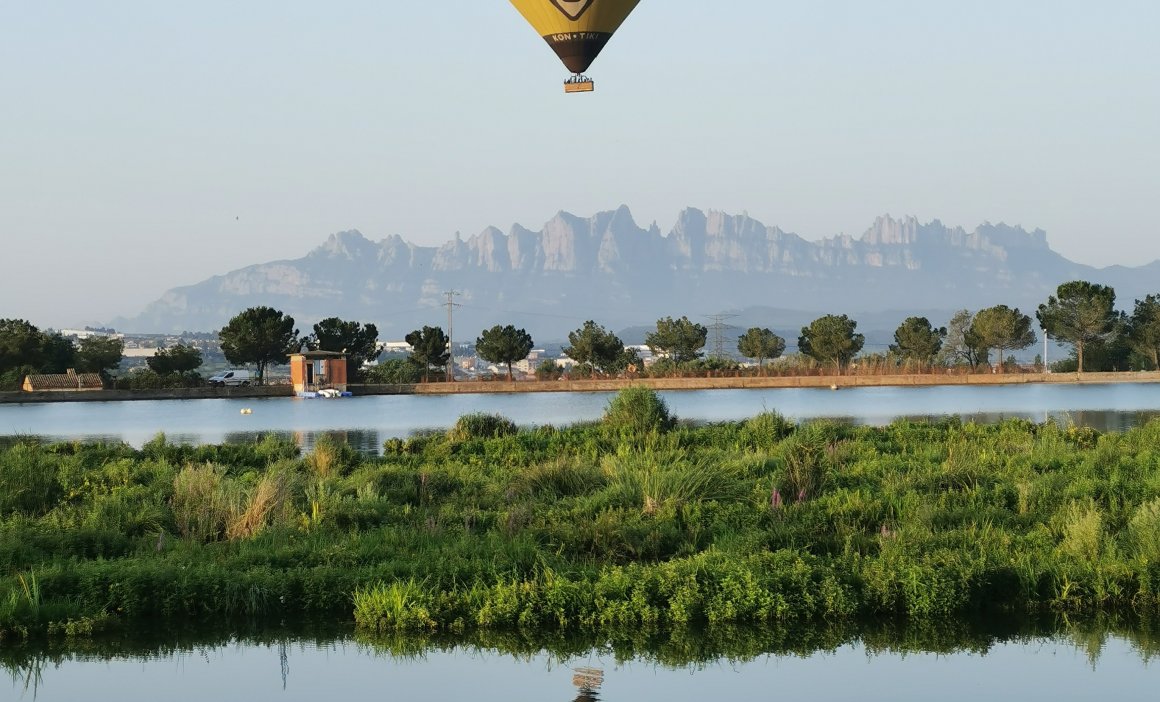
(364, 441)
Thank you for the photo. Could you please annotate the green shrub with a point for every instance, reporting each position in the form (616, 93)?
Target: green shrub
(480, 425)
(765, 430)
(637, 411)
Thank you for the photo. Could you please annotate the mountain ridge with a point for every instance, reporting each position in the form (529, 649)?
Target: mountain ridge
(609, 268)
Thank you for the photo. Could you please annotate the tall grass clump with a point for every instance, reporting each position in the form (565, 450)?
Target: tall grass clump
(332, 457)
(558, 478)
(766, 430)
(1144, 532)
(481, 425)
(1081, 528)
(204, 502)
(807, 458)
(28, 480)
(266, 499)
(399, 606)
(668, 480)
(636, 411)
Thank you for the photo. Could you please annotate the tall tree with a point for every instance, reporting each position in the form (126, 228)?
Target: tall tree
(395, 371)
(680, 339)
(917, 340)
(358, 342)
(57, 354)
(1144, 329)
(429, 347)
(259, 335)
(594, 345)
(175, 359)
(760, 344)
(99, 354)
(21, 344)
(1003, 328)
(504, 345)
(1081, 313)
(962, 345)
(831, 339)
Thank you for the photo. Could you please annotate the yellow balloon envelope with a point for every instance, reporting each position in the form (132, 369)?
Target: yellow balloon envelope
(577, 30)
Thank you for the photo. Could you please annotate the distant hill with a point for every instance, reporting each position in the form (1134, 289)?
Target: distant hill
(610, 269)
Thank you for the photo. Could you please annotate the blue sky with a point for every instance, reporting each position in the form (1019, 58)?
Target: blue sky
(146, 144)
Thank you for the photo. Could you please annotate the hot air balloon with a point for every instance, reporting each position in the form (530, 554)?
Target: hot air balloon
(577, 30)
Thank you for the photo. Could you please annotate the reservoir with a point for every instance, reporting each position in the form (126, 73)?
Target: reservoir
(366, 422)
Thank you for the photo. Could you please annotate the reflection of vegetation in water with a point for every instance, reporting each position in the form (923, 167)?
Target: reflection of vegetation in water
(681, 648)
(589, 528)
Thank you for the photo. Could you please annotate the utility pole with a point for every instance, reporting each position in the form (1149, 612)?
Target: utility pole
(718, 326)
(451, 305)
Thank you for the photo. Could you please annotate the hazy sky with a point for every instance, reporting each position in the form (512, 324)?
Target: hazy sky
(145, 144)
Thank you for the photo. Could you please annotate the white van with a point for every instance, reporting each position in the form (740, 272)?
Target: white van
(232, 377)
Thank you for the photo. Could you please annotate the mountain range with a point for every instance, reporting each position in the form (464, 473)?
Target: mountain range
(610, 269)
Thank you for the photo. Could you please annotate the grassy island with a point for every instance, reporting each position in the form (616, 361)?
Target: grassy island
(630, 522)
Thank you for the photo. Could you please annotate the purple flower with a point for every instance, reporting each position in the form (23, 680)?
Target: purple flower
(801, 495)
(775, 499)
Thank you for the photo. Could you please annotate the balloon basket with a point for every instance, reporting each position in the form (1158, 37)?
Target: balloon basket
(579, 84)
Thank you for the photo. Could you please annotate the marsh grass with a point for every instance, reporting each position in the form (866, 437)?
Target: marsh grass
(585, 527)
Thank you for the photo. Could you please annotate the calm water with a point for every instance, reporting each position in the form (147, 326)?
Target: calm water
(368, 421)
(1032, 669)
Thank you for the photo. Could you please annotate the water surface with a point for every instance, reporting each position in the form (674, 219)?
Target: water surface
(368, 421)
(1033, 669)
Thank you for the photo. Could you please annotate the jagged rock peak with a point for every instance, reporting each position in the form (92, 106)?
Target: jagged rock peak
(887, 230)
(346, 244)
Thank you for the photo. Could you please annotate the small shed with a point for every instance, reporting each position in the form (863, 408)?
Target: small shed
(63, 382)
(311, 371)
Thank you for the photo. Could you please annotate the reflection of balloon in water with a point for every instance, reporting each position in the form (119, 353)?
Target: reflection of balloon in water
(577, 30)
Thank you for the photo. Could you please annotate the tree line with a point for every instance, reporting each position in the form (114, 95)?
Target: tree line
(263, 336)
(1080, 313)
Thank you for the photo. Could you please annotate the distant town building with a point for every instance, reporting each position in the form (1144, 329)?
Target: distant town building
(394, 347)
(90, 333)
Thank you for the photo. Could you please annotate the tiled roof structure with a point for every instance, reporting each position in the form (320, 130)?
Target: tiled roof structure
(59, 382)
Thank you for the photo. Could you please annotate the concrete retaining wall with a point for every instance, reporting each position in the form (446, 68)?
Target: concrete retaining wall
(610, 385)
(166, 394)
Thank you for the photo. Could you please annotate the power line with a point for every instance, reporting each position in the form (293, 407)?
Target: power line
(718, 327)
(451, 305)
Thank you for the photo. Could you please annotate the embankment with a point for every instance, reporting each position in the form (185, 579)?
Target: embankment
(603, 385)
(755, 382)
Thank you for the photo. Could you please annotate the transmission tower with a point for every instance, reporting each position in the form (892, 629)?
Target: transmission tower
(451, 304)
(718, 327)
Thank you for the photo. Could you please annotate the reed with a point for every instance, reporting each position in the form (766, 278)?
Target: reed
(268, 497)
